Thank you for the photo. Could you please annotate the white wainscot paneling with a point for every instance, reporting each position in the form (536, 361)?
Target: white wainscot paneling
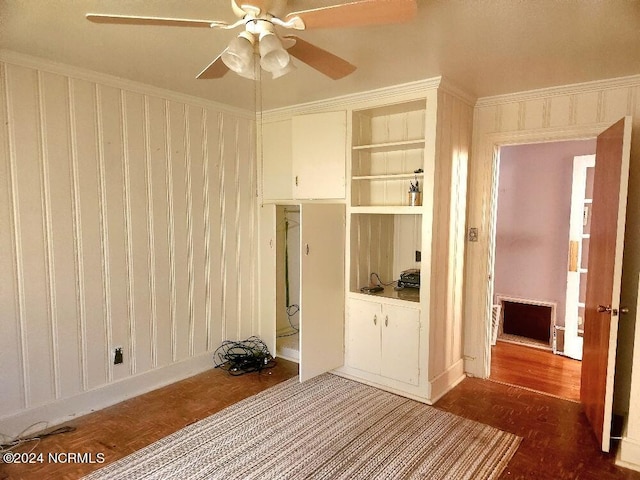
(128, 219)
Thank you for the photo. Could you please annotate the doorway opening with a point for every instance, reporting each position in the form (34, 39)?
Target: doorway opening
(288, 282)
(538, 272)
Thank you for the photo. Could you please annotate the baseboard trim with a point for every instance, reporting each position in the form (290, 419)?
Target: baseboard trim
(67, 409)
(448, 379)
(629, 454)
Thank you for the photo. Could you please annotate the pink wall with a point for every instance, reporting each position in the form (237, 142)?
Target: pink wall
(532, 231)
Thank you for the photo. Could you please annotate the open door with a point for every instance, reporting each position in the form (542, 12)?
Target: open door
(602, 305)
(322, 288)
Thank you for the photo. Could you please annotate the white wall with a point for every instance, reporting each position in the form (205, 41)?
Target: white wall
(127, 219)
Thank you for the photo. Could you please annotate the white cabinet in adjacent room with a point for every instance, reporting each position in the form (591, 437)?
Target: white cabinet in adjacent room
(384, 340)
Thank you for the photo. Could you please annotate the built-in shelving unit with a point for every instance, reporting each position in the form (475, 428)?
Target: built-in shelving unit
(387, 154)
(389, 335)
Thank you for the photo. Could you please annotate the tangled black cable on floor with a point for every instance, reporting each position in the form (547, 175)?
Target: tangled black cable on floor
(238, 358)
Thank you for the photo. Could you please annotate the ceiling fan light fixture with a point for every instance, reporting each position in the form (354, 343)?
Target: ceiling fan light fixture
(251, 70)
(272, 55)
(238, 56)
(289, 67)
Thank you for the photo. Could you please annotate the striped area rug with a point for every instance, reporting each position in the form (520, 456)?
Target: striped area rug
(326, 428)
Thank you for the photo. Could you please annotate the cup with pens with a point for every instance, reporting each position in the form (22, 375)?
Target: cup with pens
(415, 196)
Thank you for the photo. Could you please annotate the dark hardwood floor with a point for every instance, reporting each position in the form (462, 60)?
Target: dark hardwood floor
(557, 442)
(537, 369)
(128, 426)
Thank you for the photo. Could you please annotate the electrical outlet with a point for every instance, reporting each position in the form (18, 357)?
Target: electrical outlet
(118, 356)
(418, 255)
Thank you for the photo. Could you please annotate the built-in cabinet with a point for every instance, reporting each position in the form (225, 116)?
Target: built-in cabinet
(416, 138)
(384, 339)
(319, 143)
(304, 157)
(405, 211)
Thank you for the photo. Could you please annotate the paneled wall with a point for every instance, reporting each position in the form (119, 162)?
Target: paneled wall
(454, 122)
(562, 113)
(127, 218)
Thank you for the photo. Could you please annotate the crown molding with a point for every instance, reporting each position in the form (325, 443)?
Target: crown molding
(452, 89)
(392, 94)
(571, 89)
(20, 59)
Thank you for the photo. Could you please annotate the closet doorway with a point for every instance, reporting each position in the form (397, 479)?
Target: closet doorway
(313, 310)
(288, 282)
(536, 325)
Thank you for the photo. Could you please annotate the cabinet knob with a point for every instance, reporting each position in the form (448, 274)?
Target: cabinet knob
(386, 320)
(375, 319)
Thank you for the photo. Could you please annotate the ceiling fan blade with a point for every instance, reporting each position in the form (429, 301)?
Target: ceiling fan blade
(355, 14)
(216, 69)
(325, 62)
(168, 22)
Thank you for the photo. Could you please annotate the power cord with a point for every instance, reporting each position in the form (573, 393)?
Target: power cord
(10, 443)
(292, 310)
(246, 356)
(380, 282)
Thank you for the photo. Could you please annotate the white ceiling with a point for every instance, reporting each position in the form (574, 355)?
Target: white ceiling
(487, 47)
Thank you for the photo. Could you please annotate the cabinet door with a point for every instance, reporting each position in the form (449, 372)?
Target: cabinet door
(363, 350)
(319, 150)
(275, 141)
(322, 288)
(401, 344)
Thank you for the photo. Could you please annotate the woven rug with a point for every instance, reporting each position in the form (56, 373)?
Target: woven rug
(326, 428)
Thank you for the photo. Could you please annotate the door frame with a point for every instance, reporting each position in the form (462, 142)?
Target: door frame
(491, 145)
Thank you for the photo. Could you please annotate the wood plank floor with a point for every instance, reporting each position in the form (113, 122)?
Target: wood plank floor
(537, 369)
(557, 444)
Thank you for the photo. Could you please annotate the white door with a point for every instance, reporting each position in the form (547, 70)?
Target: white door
(322, 288)
(319, 146)
(578, 249)
(364, 335)
(400, 343)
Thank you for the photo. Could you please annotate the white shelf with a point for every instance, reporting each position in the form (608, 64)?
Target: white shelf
(388, 209)
(401, 145)
(389, 176)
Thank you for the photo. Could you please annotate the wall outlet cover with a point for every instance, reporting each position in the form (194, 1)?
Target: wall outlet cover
(118, 356)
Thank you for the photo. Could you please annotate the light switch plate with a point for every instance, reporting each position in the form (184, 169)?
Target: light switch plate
(473, 234)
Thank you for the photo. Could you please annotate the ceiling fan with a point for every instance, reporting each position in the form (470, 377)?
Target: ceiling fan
(259, 45)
